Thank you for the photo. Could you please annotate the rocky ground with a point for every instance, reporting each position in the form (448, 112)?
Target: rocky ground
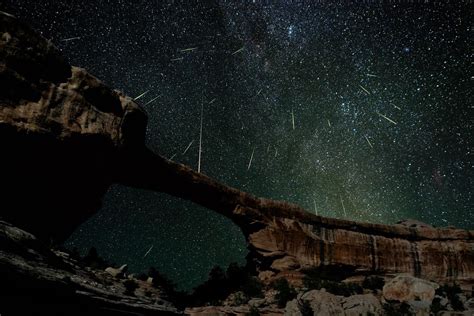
(48, 281)
(403, 295)
(37, 279)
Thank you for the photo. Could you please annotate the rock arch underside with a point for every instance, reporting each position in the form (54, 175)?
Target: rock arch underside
(65, 137)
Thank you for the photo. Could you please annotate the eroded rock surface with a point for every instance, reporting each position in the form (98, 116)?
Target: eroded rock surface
(404, 288)
(324, 303)
(60, 133)
(363, 304)
(37, 280)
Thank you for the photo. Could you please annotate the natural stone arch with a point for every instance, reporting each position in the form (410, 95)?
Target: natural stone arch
(77, 137)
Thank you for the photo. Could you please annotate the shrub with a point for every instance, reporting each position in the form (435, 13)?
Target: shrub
(332, 273)
(343, 289)
(142, 276)
(373, 283)
(397, 309)
(285, 292)
(448, 290)
(235, 274)
(130, 287)
(305, 308)
(92, 259)
(148, 293)
(456, 303)
(74, 253)
(252, 287)
(160, 280)
(314, 282)
(213, 291)
(239, 298)
(436, 306)
(221, 284)
(451, 292)
(253, 311)
(217, 274)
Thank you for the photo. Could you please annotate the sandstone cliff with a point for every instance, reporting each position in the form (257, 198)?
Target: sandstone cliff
(66, 137)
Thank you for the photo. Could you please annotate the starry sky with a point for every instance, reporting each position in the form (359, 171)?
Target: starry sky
(359, 110)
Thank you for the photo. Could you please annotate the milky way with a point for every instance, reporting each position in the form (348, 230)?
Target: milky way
(358, 111)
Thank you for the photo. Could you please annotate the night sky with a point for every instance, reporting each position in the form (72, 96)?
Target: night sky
(357, 110)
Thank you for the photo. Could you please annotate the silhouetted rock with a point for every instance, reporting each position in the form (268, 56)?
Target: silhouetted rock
(36, 280)
(60, 133)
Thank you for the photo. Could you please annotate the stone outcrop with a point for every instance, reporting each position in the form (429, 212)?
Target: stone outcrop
(66, 137)
(36, 280)
(284, 239)
(321, 302)
(324, 303)
(405, 288)
(117, 272)
(228, 310)
(362, 304)
(60, 130)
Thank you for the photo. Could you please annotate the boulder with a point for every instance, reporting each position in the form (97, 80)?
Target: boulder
(420, 308)
(257, 302)
(404, 288)
(266, 275)
(443, 301)
(362, 304)
(285, 263)
(324, 303)
(236, 299)
(117, 272)
(469, 304)
(292, 308)
(463, 299)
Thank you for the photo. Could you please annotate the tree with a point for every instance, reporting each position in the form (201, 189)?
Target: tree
(253, 312)
(130, 287)
(373, 283)
(305, 308)
(93, 259)
(285, 292)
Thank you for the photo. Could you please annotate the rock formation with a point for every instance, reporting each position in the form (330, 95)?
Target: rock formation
(66, 137)
(55, 284)
(404, 288)
(324, 303)
(60, 131)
